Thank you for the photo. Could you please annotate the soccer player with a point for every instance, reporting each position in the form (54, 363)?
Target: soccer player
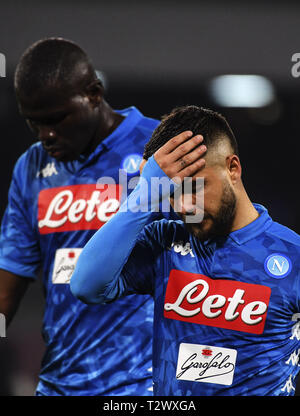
(56, 203)
(226, 289)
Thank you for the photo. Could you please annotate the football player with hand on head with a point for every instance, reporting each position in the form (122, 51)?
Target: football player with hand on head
(225, 280)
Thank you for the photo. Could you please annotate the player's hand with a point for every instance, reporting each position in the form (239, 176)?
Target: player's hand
(181, 156)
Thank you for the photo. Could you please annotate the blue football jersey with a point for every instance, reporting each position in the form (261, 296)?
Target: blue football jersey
(53, 210)
(226, 319)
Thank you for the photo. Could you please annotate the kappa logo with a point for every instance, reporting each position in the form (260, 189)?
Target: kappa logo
(278, 265)
(290, 384)
(131, 163)
(183, 249)
(48, 170)
(222, 303)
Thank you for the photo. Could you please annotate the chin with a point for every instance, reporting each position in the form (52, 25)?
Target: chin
(202, 231)
(65, 158)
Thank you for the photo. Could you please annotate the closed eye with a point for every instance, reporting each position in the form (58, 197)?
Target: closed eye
(47, 121)
(191, 187)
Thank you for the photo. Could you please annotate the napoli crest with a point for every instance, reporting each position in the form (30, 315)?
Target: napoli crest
(278, 265)
(131, 163)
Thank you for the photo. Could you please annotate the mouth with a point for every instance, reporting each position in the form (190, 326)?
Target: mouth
(54, 152)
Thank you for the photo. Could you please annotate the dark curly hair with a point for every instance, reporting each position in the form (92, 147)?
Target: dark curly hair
(210, 124)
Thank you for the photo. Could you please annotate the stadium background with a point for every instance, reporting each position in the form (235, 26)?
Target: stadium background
(157, 55)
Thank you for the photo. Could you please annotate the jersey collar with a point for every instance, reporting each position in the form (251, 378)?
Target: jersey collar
(246, 233)
(132, 117)
(253, 229)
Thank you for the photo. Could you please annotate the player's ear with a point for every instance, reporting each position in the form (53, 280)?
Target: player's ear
(143, 162)
(234, 168)
(95, 92)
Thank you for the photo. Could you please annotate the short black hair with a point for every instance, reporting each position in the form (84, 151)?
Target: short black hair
(51, 62)
(210, 124)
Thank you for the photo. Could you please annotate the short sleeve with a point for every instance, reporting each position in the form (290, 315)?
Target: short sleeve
(19, 247)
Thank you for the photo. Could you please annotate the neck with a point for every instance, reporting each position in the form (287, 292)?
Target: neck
(245, 211)
(109, 120)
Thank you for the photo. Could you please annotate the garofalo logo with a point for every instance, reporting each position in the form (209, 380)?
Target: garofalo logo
(2, 66)
(2, 326)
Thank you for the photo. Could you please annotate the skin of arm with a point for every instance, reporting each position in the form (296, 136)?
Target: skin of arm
(12, 289)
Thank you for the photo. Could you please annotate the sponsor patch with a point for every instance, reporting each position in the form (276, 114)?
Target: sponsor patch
(207, 364)
(77, 207)
(222, 303)
(64, 264)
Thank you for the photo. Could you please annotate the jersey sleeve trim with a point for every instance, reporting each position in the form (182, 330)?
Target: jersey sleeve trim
(17, 268)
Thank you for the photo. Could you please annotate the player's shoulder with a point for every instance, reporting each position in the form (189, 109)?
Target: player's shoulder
(30, 163)
(148, 123)
(274, 234)
(284, 234)
(33, 155)
(283, 242)
(164, 232)
(145, 124)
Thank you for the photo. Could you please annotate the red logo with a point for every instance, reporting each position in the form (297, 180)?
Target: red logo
(221, 303)
(77, 207)
(207, 352)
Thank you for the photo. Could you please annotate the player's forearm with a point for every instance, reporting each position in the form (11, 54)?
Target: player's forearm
(95, 278)
(12, 289)
(104, 256)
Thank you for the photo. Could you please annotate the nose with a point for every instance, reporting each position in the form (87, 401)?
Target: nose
(46, 135)
(185, 205)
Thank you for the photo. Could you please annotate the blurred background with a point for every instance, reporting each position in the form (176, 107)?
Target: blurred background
(238, 58)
